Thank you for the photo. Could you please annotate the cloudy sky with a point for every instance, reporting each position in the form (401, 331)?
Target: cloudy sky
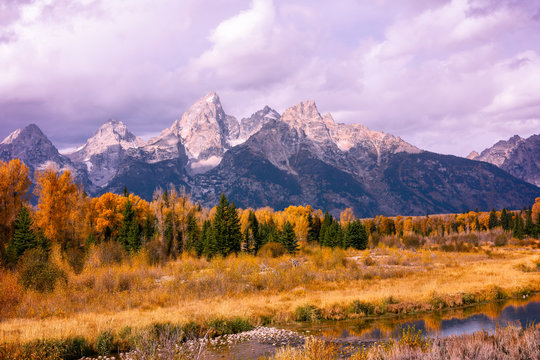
(447, 76)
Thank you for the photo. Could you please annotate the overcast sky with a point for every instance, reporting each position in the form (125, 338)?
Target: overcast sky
(446, 76)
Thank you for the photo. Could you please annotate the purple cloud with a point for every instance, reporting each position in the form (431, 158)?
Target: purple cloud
(448, 76)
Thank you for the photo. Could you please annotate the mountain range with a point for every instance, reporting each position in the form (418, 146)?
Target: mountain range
(518, 156)
(298, 157)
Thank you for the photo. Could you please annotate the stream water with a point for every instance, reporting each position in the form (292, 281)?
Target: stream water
(434, 324)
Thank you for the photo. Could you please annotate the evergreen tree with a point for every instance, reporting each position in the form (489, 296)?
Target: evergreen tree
(268, 232)
(506, 220)
(314, 228)
(252, 236)
(333, 236)
(356, 235)
(149, 228)
(530, 229)
(129, 234)
(493, 220)
(227, 227)
(208, 240)
(24, 237)
(538, 224)
(193, 235)
(327, 221)
(234, 232)
(518, 231)
(288, 238)
(477, 224)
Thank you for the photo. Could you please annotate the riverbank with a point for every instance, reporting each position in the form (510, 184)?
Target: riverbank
(510, 343)
(327, 284)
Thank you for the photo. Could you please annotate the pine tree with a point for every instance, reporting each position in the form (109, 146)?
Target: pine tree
(518, 231)
(24, 237)
(227, 227)
(327, 221)
(506, 220)
(234, 238)
(268, 232)
(288, 238)
(314, 224)
(193, 234)
(130, 233)
(208, 240)
(252, 236)
(356, 235)
(149, 228)
(168, 233)
(493, 220)
(530, 229)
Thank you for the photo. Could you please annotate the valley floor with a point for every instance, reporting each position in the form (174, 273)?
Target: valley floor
(325, 284)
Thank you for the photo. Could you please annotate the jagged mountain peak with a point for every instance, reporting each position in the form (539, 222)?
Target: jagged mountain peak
(206, 130)
(473, 155)
(112, 133)
(252, 124)
(29, 131)
(34, 148)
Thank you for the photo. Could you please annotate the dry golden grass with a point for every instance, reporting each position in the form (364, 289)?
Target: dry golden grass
(134, 294)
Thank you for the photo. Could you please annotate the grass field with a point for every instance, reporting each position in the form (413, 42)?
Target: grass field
(326, 284)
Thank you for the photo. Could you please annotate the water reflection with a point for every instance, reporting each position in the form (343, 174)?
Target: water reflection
(441, 324)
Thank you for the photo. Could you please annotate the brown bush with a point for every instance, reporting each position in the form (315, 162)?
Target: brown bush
(272, 250)
(10, 293)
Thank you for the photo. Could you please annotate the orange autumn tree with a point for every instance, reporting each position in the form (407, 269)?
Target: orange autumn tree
(58, 210)
(14, 185)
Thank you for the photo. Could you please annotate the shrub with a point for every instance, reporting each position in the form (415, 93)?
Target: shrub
(104, 342)
(500, 240)
(361, 308)
(36, 272)
(72, 348)
(76, 257)
(10, 293)
(272, 250)
(307, 313)
(412, 241)
(236, 325)
(414, 339)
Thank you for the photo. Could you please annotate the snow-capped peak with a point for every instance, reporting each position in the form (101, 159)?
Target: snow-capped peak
(11, 137)
(112, 133)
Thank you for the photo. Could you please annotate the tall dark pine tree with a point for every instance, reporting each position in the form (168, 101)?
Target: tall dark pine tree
(227, 227)
(288, 238)
(530, 229)
(252, 236)
(506, 220)
(268, 232)
(130, 232)
(208, 240)
(314, 223)
(24, 237)
(356, 235)
(327, 221)
(234, 238)
(193, 235)
(518, 231)
(493, 221)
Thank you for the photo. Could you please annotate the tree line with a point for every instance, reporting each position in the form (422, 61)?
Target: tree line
(171, 224)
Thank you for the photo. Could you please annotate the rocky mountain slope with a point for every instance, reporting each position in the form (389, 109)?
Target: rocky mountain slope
(307, 158)
(518, 156)
(268, 159)
(32, 147)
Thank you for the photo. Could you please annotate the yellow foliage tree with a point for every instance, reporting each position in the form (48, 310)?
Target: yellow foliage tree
(14, 184)
(346, 216)
(58, 207)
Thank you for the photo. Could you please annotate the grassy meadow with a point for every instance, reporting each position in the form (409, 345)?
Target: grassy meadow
(114, 291)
